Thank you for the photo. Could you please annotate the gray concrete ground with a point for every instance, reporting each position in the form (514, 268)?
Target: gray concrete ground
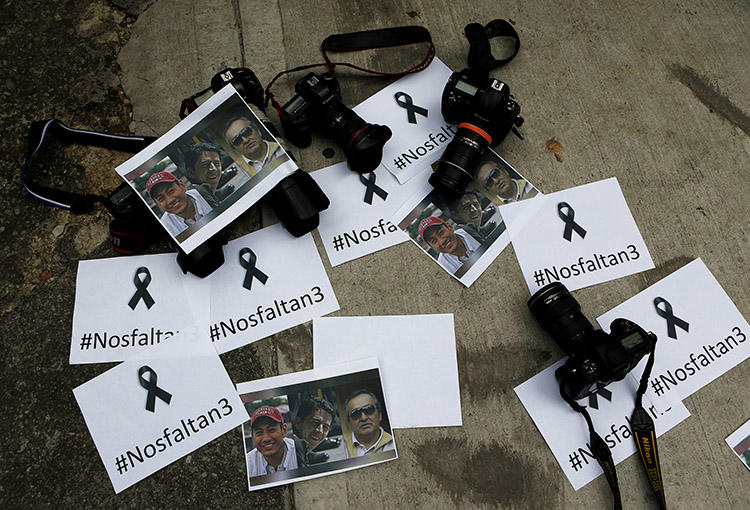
(653, 93)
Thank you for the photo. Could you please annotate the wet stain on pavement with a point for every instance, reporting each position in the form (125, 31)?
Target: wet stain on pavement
(710, 96)
(489, 475)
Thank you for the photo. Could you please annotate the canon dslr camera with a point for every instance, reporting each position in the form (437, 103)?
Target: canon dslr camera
(596, 358)
(318, 105)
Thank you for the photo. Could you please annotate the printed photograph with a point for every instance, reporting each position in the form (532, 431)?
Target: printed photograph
(209, 169)
(316, 428)
(739, 441)
(457, 233)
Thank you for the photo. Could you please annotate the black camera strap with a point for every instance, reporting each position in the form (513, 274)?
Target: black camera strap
(365, 40)
(480, 58)
(644, 434)
(42, 130)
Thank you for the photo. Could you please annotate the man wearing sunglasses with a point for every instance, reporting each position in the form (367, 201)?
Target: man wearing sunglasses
(245, 136)
(363, 412)
(499, 181)
(311, 427)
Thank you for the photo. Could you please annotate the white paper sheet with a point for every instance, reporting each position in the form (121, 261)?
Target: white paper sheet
(413, 146)
(105, 326)
(297, 288)
(716, 336)
(351, 227)
(335, 384)
(134, 442)
(207, 124)
(422, 390)
(565, 430)
(739, 442)
(611, 246)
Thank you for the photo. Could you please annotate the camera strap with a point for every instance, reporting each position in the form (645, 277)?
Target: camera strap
(42, 130)
(480, 58)
(644, 434)
(365, 40)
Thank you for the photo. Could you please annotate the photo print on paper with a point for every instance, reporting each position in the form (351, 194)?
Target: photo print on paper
(207, 168)
(456, 233)
(316, 428)
(739, 442)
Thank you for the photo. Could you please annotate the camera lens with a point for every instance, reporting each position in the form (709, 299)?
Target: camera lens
(459, 162)
(361, 141)
(560, 315)
(297, 201)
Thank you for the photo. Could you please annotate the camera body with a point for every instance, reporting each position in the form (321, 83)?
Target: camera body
(596, 358)
(317, 105)
(485, 114)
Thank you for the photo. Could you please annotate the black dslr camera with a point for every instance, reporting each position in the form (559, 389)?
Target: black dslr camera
(317, 104)
(485, 114)
(297, 200)
(596, 358)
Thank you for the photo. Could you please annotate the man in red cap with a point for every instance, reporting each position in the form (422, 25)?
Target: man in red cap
(273, 451)
(454, 246)
(182, 207)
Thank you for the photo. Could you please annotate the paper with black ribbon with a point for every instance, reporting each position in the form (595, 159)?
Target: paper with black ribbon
(157, 407)
(410, 107)
(126, 305)
(701, 332)
(579, 236)
(269, 282)
(358, 221)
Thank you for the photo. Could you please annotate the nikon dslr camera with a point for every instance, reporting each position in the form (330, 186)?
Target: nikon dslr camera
(485, 114)
(596, 358)
(317, 104)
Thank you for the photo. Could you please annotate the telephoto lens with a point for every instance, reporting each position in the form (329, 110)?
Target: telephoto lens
(463, 152)
(559, 314)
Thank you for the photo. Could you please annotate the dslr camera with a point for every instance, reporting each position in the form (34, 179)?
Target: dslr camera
(485, 114)
(596, 358)
(317, 104)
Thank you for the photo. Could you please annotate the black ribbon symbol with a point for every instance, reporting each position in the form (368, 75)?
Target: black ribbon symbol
(601, 390)
(670, 317)
(250, 270)
(570, 225)
(141, 289)
(372, 187)
(153, 390)
(410, 107)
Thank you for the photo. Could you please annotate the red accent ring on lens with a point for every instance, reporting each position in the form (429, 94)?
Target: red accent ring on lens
(356, 135)
(481, 132)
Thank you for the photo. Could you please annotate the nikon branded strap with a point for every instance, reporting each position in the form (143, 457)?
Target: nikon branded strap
(42, 130)
(365, 40)
(644, 435)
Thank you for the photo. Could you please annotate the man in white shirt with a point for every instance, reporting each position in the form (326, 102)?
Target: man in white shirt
(364, 414)
(245, 136)
(273, 451)
(454, 246)
(182, 207)
(499, 181)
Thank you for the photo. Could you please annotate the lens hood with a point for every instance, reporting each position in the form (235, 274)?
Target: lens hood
(365, 150)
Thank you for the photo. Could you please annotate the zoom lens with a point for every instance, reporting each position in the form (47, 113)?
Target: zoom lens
(361, 141)
(560, 315)
(459, 162)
